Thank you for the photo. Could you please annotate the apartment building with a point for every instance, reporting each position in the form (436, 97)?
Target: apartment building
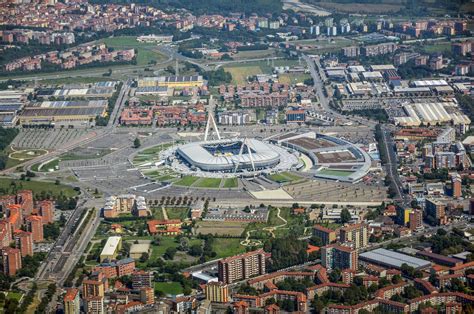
(356, 234)
(243, 266)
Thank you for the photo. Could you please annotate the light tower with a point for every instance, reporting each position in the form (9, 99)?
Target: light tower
(211, 123)
(239, 157)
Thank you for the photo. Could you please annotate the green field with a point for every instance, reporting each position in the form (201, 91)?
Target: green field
(49, 166)
(150, 154)
(75, 80)
(10, 295)
(212, 183)
(227, 247)
(290, 78)
(146, 52)
(231, 183)
(186, 181)
(241, 73)
(180, 213)
(339, 173)
(284, 177)
(294, 225)
(20, 156)
(438, 47)
(169, 288)
(167, 242)
(37, 187)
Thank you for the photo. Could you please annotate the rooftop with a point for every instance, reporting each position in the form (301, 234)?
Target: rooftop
(393, 259)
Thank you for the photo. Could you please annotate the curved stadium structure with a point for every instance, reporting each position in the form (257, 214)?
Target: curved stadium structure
(229, 155)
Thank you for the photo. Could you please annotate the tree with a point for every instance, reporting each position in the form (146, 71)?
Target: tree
(315, 240)
(345, 216)
(169, 253)
(136, 143)
(335, 275)
(145, 256)
(195, 250)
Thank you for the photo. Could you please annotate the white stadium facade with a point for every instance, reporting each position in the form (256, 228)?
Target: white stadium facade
(230, 157)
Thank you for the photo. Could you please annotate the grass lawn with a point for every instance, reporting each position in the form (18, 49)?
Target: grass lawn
(167, 242)
(284, 177)
(37, 187)
(18, 157)
(180, 213)
(157, 213)
(231, 183)
(150, 154)
(438, 47)
(240, 73)
(340, 173)
(83, 154)
(295, 224)
(146, 52)
(234, 228)
(49, 166)
(254, 54)
(212, 183)
(171, 288)
(186, 181)
(227, 247)
(75, 80)
(290, 78)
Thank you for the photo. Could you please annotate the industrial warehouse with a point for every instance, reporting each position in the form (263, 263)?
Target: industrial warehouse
(48, 112)
(172, 81)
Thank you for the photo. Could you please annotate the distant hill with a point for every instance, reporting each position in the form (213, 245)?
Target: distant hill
(208, 6)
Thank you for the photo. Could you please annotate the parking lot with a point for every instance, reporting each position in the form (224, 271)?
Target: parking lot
(48, 138)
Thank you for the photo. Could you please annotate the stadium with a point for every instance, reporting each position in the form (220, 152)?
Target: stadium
(229, 157)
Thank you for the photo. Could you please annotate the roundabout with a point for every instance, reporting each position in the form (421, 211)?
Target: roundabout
(26, 154)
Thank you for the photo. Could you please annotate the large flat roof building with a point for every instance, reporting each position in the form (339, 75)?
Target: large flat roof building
(392, 259)
(172, 81)
(111, 248)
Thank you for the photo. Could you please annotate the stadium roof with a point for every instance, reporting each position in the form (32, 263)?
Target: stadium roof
(262, 155)
(393, 259)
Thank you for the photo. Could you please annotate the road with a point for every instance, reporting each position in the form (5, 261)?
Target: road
(392, 165)
(92, 136)
(70, 245)
(319, 77)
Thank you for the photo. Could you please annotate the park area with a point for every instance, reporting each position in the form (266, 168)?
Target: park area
(9, 186)
(242, 71)
(146, 52)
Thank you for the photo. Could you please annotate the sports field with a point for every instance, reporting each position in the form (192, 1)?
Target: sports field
(169, 288)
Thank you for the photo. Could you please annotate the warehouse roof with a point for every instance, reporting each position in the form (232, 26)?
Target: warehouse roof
(393, 259)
